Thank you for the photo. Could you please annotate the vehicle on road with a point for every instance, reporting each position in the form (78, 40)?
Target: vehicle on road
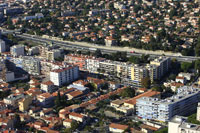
(92, 49)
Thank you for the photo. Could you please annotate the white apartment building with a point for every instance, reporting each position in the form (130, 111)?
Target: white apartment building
(2, 46)
(179, 124)
(64, 75)
(183, 103)
(92, 64)
(31, 65)
(17, 50)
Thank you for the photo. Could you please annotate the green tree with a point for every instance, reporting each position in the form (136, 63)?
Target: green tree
(146, 82)
(74, 126)
(197, 65)
(197, 48)
(134, 59)
(91, 86)
(98, 53)
(192, 119)
(164, 130)
(58, 100)
(105, 86)
(159, 88)
(128, 92)
(17, 121)
(186, 66)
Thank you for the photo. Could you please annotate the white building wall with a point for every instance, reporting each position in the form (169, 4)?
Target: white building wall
(66, 76)
(2, 46)
(17, 50)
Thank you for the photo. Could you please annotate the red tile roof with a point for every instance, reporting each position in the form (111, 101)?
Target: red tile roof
(148, 127)
(118, 126)
(149, 93)
(48, 83)
(76, 115)
(75, 93)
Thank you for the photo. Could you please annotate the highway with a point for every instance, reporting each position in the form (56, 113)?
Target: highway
(107, 50)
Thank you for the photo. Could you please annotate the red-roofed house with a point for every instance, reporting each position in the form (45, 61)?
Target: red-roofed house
(74, 94)
(77, 117)
(181, 80)
(46, 99)
(47, 86)
(67, 123)
(117, 128)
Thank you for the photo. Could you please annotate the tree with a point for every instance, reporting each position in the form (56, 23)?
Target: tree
(58, 100)
(74, 126)
(164, 130)
(114, 97)
(91, 86)
(159, 88)
(186, 66)
(17, 121)
(105, 86)
(98, 53)
(128, 92)
(192, 119)
(134, 59)
(197, 65)
(146, 82)
(197, 48)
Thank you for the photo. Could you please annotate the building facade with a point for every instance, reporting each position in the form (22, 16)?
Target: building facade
(64, 75)
(2, 46)
(31, 65)
(179, 124)
(183, 103)
(163, 64)
(17, 50)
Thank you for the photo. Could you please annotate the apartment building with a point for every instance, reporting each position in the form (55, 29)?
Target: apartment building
(31, 65)
(13, 99)
(24, 103)
(2, 46)
(179, 124)
(33, 50)
(53, 54)
(92, 64)
(47, 86)
(79, 60)
(17, 50)
(163, 64)
(136, 74)
(131, 102)
(183, 103)
(46, 99)
(64, 75)
(49, 52)
(153, 71)
(47, 66)
(119, 69)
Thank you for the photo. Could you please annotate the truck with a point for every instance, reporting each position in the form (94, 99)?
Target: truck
(92, 49)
